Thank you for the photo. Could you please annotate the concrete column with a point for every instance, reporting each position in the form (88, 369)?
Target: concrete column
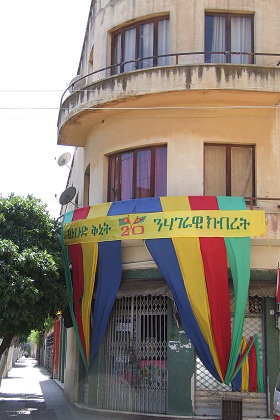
(71, 373)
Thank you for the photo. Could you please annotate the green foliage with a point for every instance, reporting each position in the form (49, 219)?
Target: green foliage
(34, 337)
(26, 222)
(48, 324)
(31, 276)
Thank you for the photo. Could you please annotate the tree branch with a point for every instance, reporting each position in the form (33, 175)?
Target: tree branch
(5, 343)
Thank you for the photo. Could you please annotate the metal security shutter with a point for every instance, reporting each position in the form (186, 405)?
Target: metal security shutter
(135, 355)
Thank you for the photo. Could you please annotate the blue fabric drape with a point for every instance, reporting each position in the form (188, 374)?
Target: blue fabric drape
(109, 275)
(163, 253)
(110, 270)
(139, 205)
(237, 382)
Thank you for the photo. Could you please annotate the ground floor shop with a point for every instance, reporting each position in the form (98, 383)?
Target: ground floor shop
(147, 364)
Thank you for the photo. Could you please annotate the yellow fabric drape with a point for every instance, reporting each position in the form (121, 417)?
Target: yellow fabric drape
(245, 368)
(191, 266)
(98, 210)
(90, 256)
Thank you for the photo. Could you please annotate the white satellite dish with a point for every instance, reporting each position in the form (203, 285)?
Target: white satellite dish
(64, 159)
(67, 196)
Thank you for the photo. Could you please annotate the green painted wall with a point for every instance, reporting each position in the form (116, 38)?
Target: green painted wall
(272, 349)
(180, 363)
(96, 380)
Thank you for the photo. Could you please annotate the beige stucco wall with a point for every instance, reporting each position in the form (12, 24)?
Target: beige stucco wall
(185, 133)
(187, 28)
(202, 104)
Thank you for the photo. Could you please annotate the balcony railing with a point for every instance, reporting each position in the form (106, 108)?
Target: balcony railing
(79, 82)
(271, 207)
(253, 202)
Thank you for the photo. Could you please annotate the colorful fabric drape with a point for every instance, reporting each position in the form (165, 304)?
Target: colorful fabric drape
(216, 278)
(80, 283)
(238, 251)
(195, 269)
(247, 376)
(69, 287)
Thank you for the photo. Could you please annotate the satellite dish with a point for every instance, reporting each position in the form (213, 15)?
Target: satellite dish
(64, 159)
(67, 195)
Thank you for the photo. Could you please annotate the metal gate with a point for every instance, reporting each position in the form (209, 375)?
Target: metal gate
(136, 348)
(210, 393)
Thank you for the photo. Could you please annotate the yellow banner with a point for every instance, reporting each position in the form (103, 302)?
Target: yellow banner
(169, 224)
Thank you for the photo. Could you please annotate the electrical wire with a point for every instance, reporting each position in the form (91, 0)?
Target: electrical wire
(156, 108)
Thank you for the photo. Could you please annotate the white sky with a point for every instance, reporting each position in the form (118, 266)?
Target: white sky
(40, 47)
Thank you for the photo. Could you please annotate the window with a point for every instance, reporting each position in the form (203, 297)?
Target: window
(229, 170)
(138, 173)
(231, 33)
(90, 61)
(86, 185)
(143, 40)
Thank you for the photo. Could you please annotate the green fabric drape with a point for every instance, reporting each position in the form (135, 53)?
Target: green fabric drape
(68, 218)
(238, 250)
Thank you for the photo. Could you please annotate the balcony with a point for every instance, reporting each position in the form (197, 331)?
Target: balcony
(187, 83)
(271, 206)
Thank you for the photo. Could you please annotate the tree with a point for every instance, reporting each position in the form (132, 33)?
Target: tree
(32, 286)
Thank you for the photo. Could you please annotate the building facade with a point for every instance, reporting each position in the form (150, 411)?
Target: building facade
(175, 98)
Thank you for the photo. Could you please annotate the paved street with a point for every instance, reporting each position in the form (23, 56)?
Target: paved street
(29, 393)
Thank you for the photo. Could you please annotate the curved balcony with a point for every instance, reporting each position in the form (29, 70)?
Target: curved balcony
(254, 85)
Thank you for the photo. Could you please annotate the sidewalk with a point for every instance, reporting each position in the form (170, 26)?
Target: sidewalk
(29, 393)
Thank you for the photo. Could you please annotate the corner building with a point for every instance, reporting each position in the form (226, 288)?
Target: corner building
(176, 98)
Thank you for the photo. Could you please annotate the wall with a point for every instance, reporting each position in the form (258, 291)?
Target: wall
(187, 32)
(180, 363)
(272, 356)
(185, 132)
(71, 373)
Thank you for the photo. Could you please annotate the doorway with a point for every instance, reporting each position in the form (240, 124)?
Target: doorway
(135, 355)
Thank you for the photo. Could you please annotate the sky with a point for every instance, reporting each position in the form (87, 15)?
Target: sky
(40, 48)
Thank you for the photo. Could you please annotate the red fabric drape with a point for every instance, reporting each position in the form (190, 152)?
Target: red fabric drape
(253, 379)
(80, 213)
(56, 348)
(214, 257)
(76, 258)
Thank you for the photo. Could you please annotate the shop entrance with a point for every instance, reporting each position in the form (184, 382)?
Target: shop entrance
(135, 355)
